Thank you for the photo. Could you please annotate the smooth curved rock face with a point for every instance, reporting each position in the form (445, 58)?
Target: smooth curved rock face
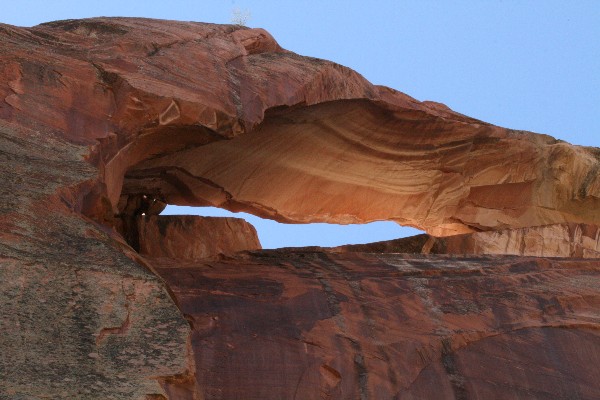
(103, 120)
(310, 140)
(312, 325)
(356, 161)
(189, 237)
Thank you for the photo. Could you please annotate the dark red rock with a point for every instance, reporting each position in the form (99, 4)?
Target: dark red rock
(81, 317)
(312, 325)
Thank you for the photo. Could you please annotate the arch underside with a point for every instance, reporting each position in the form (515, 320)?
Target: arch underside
(357, 161)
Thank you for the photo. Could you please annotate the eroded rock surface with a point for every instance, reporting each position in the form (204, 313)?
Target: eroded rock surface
(305, 135)
(105, 121)
(189, 237)
(558, 240)
(313, 325)
(81, 317)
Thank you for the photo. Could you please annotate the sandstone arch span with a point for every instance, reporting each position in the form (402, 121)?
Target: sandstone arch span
(200, 114)
(96, 114)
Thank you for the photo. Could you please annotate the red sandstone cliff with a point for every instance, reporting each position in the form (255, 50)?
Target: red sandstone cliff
(104, 121)
(313, 325)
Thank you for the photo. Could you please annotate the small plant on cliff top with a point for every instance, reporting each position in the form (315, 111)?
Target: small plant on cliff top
(240, 17)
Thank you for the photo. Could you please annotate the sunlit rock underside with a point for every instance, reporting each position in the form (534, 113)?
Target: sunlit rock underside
(105, 121)
(557, 240)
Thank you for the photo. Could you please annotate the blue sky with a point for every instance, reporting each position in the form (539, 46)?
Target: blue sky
(532, 65)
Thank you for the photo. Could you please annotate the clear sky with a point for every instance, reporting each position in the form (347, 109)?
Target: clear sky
(532, 65)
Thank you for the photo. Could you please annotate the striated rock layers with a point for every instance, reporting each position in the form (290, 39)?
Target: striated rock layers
(204, 114)
(104, 121)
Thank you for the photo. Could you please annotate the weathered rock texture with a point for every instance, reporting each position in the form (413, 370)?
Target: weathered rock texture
(104, 121)
(155, 99)
(188, 237)
(558, 240)
(80, 315)
(313, 325)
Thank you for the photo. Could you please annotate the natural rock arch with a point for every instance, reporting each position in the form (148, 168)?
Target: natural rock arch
(198, 114)
(96, 114)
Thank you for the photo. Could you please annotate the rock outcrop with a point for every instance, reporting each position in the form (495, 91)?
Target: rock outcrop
(314, 325)
(105, 121)
(156, 101)
(81, 315)
(558, 240)
(189, 237)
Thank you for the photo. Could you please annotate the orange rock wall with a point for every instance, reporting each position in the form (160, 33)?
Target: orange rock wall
(559, 240)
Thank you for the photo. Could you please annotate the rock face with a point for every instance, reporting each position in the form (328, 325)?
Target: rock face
(155, 99)
(81, 317)
(188, 237)
(456, 179)
(314, 325)
(558, 240)
(104, 121)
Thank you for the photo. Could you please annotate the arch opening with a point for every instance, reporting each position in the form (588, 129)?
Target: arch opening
(273, 234)
(343, 162)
